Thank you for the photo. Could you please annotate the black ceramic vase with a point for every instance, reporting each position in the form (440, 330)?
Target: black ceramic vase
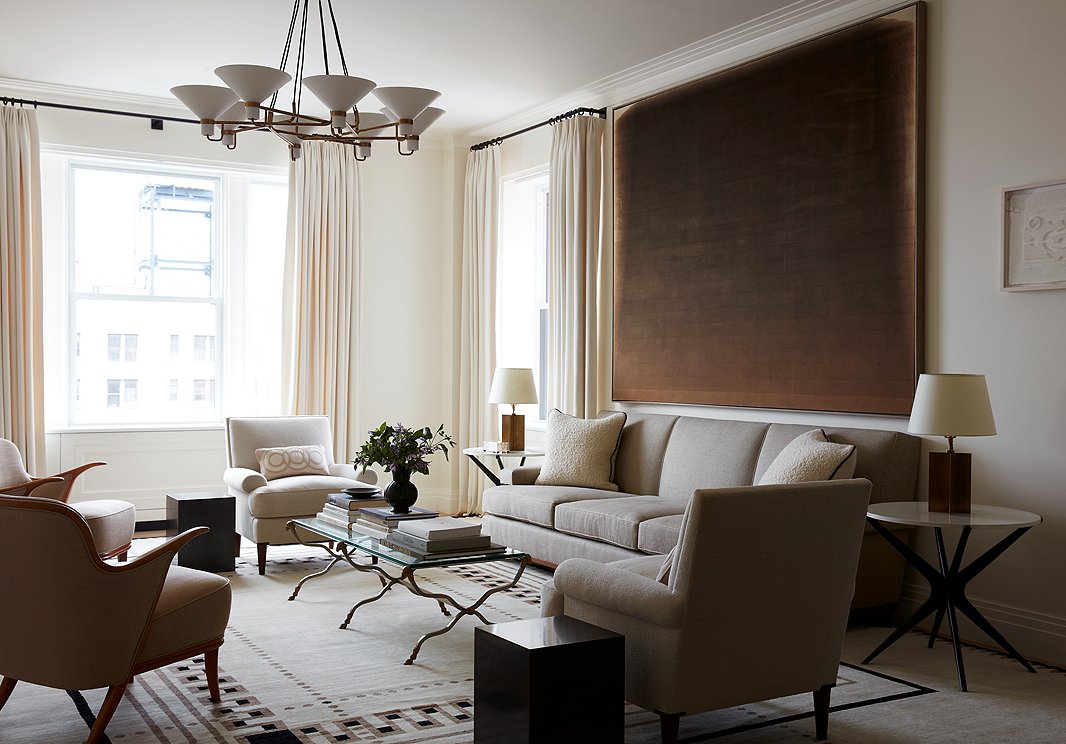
(401, 494)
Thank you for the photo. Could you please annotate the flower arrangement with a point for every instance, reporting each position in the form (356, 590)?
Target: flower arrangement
(398, 448)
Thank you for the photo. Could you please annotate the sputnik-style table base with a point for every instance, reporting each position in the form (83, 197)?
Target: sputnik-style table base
(406, 579)
(947, 593)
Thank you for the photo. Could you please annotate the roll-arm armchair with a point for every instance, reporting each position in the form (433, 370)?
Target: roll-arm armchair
(754, 607)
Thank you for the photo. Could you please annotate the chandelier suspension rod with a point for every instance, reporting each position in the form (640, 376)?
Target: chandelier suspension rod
(601, 112)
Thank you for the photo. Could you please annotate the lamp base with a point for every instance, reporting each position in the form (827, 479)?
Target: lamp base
(513, 431)
(949, 482)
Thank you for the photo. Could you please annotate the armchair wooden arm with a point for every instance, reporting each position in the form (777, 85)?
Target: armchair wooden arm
(25, 489)
(69, 476)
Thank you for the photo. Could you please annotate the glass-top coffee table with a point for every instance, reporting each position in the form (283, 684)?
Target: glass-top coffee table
(349, 543)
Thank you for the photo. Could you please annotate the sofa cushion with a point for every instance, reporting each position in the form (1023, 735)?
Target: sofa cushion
(285, 462)
(659, 535)
(639, 464)
(709, 453)
(615, 521)
(810, 457)
(580, 452)
(536, 504)
(296, 496)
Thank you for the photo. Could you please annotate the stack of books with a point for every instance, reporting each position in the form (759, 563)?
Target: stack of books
(342, 509)
(379, 521)
(440, 537)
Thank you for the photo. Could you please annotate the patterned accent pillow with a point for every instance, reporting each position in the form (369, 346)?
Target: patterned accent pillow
(811, 457)
(282, 462)
(580, 452)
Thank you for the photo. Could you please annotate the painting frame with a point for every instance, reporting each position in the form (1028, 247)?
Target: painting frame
(1031, 261)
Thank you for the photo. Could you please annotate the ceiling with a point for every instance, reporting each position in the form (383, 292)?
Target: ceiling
(491, 59)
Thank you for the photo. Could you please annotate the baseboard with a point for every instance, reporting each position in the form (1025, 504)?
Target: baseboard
(151, 525)
(1037, 636)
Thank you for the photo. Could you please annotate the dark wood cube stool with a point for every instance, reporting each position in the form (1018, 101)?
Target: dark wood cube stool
(553, 680)
(215, 550)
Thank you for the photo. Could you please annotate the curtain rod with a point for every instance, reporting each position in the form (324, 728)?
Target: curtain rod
(602, 113)
(8, 101)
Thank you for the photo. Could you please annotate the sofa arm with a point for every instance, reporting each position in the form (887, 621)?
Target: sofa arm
(620, 591)
(521, 476)
(243, 479)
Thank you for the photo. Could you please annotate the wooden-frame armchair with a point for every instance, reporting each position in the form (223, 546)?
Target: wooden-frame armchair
(131, 618)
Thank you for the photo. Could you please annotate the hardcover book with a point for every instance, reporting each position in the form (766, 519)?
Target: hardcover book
(438, 527)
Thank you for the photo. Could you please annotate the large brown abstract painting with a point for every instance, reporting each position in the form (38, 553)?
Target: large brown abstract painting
(768, 229)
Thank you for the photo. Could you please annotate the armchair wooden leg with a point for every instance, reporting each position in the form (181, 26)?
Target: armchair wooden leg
(123, 556)
(262, 548)
(821, 712)
(211, 670)
(107, 710)
(5, 690)
(668, 726)
(236, 545)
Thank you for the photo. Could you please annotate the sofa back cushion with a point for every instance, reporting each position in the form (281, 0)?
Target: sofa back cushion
(888, 459)
(639, 465)
(710, 453)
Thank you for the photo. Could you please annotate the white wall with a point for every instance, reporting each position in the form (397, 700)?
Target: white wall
(994, 118)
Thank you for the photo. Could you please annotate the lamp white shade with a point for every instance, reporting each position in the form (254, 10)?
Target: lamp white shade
(952, 406)
(338, 92)
(253, 83)
(513, 385)
(206, 101)
(406, 103)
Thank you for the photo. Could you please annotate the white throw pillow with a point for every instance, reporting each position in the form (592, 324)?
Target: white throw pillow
(580, 452)
(811, 457)
(282, 462)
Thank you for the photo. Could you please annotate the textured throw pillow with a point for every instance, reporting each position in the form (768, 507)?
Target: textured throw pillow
(664, 571)
(580, 452)
(811, 457)
(282, 462)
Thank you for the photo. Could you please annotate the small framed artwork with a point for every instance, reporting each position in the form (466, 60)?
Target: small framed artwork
(1034, 237)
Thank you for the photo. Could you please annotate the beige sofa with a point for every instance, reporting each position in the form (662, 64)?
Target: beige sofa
(661, 461)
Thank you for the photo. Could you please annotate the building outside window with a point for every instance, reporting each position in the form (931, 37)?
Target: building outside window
(148, 251)
(522, 282)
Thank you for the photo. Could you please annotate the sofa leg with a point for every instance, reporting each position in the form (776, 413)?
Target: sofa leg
(821, 712)
(669, 723)
(262, 549)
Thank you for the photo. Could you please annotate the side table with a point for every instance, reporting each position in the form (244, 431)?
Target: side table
(549, 680)
(477, 453)
(214, 551)
(947, 586)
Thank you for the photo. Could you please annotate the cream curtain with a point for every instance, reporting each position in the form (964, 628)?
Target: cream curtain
(575, 263)
(477, 323)
(323, 268)
(21, 287)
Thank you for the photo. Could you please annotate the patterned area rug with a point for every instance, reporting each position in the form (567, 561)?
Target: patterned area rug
(289, 675)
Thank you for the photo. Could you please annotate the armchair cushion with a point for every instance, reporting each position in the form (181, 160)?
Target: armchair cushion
(295, 496)
(811, 457)
(285, 462)
(193, 607)
(111, 523)
(580, 452)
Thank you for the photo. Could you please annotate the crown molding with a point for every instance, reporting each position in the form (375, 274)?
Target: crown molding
(58, 93)
(800, 21)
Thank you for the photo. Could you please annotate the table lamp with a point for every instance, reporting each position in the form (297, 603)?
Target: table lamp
(951, 406)
(513, 385)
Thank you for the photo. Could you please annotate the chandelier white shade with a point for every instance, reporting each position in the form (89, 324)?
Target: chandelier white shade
(249, 99)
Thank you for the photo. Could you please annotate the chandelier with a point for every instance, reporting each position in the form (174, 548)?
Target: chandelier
(242, 104)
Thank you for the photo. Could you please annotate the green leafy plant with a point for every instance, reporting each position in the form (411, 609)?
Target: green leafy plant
(397, 446)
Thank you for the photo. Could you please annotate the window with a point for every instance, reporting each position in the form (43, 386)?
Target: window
(143, 253)
(203, 392)
(522, 282)
(203, 348)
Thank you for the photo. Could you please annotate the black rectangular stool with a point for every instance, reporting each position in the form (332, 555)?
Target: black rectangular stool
(548, 680)
(215, 550)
